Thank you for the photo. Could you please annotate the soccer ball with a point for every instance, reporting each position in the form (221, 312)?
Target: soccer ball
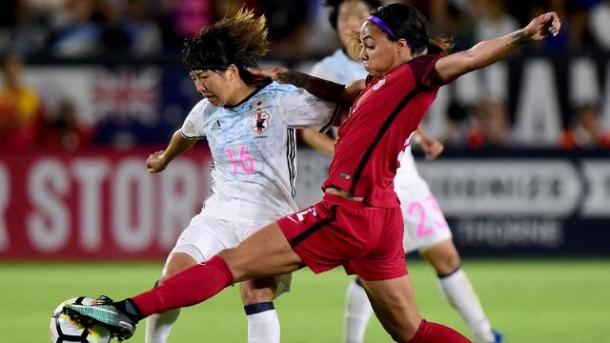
(63, 329)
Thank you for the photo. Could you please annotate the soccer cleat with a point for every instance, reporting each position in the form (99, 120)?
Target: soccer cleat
(498, 337)
(103, 312)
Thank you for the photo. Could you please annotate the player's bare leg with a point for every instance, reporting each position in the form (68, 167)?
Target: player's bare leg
(159, 325)
(258, 294)
(445, 259)
(394, 304)
(263, 323)
(197, 283)
(249, 261)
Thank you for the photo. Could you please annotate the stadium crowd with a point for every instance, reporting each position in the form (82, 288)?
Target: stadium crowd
(91, 31)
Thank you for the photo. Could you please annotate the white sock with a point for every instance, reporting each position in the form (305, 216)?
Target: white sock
(358, 312)
(462, 297)
(263, 323)
(158, 326)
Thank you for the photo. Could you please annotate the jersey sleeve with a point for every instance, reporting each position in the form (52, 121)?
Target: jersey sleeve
(323, 70)
(193, 126)
(422, 68)
(318, 70)
(301, 109)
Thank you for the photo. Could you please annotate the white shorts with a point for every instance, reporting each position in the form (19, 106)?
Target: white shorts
(205, 236)
(425, 224)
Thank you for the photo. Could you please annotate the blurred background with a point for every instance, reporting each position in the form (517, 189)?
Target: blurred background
(90, 87)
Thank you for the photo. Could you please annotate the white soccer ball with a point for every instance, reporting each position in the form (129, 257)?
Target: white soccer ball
(63, 329)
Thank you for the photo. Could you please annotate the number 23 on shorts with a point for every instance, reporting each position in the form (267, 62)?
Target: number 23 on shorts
(419, 211)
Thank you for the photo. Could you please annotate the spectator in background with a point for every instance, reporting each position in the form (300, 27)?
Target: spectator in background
(63, 131)
(491, 123)
(289, 28)
(492, 19)
(143, 33)
(20, 108)
(586, 128)
(180, 19)
(599, 24)
(23, 28)
(113, 37)
(458, 132)
(492, 127)
(77, 30)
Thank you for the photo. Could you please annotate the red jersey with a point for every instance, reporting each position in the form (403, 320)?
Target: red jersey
(387, 111)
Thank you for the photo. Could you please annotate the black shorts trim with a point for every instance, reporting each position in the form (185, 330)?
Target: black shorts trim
(314, 228)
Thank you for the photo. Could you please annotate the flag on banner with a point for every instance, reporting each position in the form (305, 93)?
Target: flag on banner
(128, 95)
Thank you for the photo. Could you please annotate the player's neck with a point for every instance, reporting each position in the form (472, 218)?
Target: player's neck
(241, 92)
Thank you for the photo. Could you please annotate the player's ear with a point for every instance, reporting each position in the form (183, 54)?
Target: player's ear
(232, 72)
(403, 47)
(403, 44)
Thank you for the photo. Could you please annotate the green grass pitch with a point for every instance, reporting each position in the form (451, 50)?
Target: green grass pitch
(529, 300)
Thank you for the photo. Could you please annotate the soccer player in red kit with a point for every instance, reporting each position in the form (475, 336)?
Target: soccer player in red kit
(358, 224)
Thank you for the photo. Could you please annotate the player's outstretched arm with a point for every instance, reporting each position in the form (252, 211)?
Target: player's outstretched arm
(158, 160)
(323, 89)
(450, 67)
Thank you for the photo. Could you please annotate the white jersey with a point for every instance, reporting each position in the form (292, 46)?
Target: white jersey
(339, 68)
(253, 147)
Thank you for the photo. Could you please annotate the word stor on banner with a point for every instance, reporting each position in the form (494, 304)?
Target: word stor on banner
(99, 203)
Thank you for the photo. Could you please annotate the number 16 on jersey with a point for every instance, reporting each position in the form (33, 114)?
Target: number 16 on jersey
(245, 162)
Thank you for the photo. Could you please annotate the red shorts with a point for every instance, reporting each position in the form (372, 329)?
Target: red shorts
(366, 241)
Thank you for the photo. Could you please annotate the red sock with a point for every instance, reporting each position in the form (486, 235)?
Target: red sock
(186, 288)
(436, 333)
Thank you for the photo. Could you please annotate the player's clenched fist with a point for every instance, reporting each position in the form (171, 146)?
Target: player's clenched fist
(156, 162)
(542, 26)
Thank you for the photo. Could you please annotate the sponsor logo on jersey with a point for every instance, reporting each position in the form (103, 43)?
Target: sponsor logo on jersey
(260, 122)
(346, 176)
(216, 125)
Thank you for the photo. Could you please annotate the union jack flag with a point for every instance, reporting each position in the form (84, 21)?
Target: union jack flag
(128, 94)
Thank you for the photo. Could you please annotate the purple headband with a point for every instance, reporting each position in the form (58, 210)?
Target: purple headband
(382, 25)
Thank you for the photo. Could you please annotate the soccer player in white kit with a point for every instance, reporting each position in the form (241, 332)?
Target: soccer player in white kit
(426, 229)
(250, 128)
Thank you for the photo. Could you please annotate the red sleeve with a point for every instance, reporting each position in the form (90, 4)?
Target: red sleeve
(422, 68)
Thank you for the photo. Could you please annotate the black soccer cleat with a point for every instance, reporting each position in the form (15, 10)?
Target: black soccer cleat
(103, 312)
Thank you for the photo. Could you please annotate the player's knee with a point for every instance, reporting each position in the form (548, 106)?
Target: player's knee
(235, 263)
(444, 257)
(177, 263)
(447, 262)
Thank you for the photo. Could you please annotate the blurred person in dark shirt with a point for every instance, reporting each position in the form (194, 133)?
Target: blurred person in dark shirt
(63, 130)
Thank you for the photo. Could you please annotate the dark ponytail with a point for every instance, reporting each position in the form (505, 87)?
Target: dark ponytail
(440, 45)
